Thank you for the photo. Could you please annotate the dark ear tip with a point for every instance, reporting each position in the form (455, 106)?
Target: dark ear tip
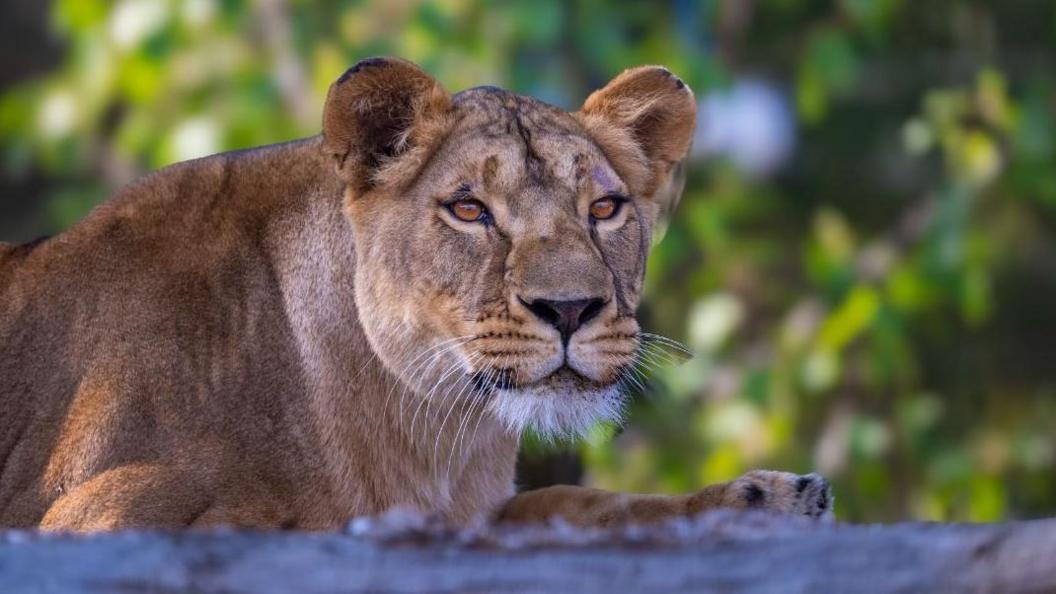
(365, 63)
(670, 75)
(664, 75)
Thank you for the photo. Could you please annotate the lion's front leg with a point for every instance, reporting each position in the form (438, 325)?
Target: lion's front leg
(808, 495)
(130, 496)
(171, 497)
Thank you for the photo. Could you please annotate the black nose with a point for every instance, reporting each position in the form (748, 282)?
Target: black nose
(566, 316)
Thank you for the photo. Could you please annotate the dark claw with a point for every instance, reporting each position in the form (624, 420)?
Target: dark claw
(802, 483)
(753, 495)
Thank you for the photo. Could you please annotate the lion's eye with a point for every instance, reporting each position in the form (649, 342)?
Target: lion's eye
(605, 208)
(468, 210)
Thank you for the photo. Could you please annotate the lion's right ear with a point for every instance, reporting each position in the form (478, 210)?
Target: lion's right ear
(383, 116)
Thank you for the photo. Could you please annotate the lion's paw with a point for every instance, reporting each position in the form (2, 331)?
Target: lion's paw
(800, 494)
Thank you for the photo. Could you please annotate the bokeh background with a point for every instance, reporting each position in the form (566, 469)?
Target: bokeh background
(864, 260)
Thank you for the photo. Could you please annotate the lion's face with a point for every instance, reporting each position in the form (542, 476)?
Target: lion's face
(502, 265)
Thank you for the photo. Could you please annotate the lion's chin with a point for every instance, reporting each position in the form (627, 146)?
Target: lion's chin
(562, 405)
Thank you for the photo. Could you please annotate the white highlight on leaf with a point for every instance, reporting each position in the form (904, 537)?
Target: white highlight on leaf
(58, 114)
(198, 12)
(134, 20)
(713, 319)
(196, 137)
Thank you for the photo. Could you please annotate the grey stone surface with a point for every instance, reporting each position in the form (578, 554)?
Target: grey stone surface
(720, 552)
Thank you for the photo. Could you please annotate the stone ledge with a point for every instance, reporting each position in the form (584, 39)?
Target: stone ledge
(719, 552)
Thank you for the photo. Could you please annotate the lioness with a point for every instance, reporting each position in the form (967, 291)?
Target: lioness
(295, 335)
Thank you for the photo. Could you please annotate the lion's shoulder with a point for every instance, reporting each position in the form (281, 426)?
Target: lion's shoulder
(246, 181)
(186, 207)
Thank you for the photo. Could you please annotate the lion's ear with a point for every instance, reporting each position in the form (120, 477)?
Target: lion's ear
(644, 121)
(381, 111)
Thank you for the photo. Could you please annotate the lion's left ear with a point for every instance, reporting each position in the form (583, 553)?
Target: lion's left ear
(644, 121)
(381, 118)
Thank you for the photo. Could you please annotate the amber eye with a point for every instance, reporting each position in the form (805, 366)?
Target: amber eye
(468, 210)
(604, 208)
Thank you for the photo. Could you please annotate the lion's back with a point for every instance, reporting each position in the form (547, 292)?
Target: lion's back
(168, 240)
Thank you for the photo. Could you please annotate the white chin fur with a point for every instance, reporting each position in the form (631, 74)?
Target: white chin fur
(555, 412)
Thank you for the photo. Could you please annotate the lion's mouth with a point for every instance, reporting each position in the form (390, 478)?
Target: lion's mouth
(563, 377)
(566, 373)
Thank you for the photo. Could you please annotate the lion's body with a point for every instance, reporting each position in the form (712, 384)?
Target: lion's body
(296, 335)
(184, 325)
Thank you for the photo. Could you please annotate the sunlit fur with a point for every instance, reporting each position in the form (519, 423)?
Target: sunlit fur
(294, 335)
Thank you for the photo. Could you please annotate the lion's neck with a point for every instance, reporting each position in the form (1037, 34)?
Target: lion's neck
(372, 458)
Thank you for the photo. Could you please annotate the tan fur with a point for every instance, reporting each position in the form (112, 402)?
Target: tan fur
(295, 335)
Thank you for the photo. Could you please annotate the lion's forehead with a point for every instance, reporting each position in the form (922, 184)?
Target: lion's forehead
(521, 149)
(490, 104)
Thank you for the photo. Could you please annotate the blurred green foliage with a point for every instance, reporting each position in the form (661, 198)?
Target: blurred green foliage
(881, 308)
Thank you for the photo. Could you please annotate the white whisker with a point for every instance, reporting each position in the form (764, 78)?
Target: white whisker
(425, 366)
(472, 408)
(440, 432)
(657, 338)
(428, 395)
(485, 403)
(659, 355)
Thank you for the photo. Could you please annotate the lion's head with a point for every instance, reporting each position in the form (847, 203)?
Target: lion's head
(500, 241)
